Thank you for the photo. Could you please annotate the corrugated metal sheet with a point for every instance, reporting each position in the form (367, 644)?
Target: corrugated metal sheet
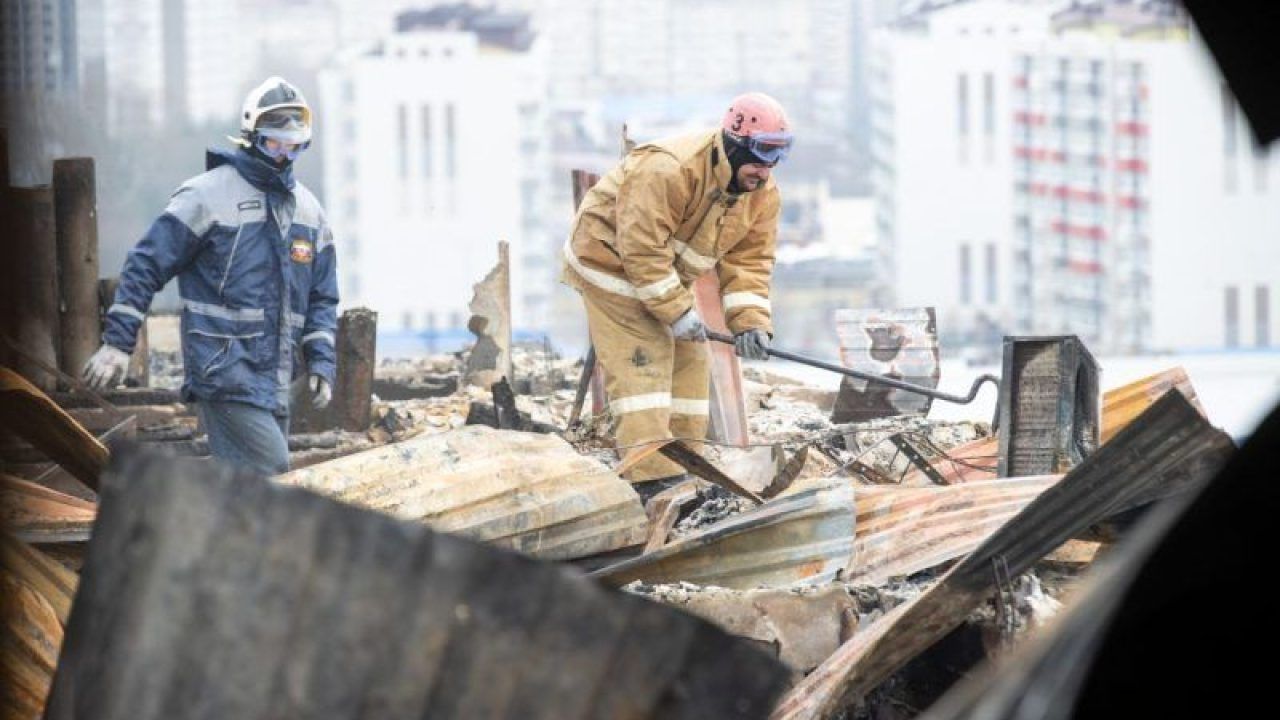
(901, 343)
(906, 530)
(805, 538)
(523, 491)
(1163, 442)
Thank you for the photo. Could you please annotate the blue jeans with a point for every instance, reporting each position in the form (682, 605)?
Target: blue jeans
(246, 436)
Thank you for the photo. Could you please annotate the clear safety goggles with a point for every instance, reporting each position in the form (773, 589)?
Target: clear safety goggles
(285, 148)
(768, 148)
(288, 125)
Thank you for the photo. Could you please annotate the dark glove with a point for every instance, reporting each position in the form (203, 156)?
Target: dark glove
(752, 344)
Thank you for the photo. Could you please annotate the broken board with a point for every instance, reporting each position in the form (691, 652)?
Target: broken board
(30, 414)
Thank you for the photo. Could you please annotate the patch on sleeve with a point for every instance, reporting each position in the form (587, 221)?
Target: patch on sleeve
(301, 250)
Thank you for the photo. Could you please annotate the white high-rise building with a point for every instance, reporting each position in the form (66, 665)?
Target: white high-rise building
(434, 146)
(1080, 171)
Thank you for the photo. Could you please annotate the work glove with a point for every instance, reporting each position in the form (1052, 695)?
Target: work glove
(106, 368)
(752, 344)
(689, 327)
(321, 392)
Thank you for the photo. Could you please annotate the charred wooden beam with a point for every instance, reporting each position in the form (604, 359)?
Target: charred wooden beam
(31, 280)
(31, 415)
(689, 459)
(75, 207)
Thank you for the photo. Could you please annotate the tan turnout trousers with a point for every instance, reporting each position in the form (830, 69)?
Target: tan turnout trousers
(657, 387)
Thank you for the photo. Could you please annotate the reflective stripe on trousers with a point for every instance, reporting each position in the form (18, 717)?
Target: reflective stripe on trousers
(657, 387)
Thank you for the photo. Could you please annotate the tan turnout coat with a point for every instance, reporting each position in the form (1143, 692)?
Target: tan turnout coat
(663, 217)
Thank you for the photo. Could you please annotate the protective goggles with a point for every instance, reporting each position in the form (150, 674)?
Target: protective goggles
(768, 148)
(287, 148)
(291, 125)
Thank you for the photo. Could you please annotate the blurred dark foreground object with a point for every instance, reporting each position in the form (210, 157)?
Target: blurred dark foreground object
(1238, 33)
(1170, 626)
(208, 593)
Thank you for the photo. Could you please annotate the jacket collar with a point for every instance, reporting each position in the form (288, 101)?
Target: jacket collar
(256, 171)
(720, 161)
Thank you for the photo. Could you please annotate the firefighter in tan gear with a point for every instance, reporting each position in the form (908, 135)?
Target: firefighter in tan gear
(671, 211)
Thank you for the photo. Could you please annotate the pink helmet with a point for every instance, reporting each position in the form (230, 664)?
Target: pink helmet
(758, 123)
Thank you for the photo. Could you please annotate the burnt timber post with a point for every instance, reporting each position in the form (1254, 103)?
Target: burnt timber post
(357, 346)
(32, 293)
(76, 214)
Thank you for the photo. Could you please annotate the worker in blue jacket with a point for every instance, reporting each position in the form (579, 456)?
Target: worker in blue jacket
(256, 273)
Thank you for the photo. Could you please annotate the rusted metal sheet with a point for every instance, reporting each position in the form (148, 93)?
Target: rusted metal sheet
(728, 399)
(210, 593)
(905, 530)
(38, 514)
(805, 538)
(523, 491)
(1121, 405)
(35, 601)
(31, 415)
(1159, 443)
(899, 343)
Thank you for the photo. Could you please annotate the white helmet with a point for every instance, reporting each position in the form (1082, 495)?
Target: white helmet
(276, 109)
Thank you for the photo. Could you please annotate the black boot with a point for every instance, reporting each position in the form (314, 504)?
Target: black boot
(648, 488)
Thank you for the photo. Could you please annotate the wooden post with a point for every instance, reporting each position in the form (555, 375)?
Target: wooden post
(357, 357)
(32, 282)
(76, 212)
(4, 158)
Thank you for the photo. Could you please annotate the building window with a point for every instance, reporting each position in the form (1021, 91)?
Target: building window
(991, 273)
(966, 289)
(1262, 315)
(427, 154)
(402, 137)
(450, 142)
(1231, 316)
(962, 114)
(989, 104)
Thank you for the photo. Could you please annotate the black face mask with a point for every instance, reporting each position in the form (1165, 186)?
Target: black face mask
(737, 156)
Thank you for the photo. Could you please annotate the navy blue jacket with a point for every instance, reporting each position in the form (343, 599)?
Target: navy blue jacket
(257, 276)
